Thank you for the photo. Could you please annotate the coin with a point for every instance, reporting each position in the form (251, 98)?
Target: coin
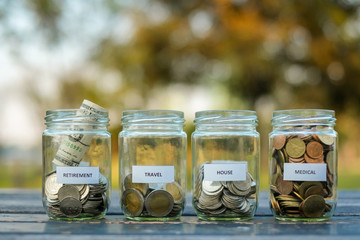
(212, 187)
(175, 190)
(295, 147)
(305, 185)
(326, 139)
(313, 206)
(159, 203)
(68, 191)
(330, 161)
(71, 207)
(51, 186)
(314, 149)
(133, 202)
(284, 187)
(314, 160)
(314, 190)
(279, 141)
(142, 187)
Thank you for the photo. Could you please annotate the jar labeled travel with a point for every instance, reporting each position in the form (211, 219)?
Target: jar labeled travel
(76, 163)
(152, 152)
(303, 165)
(225, 164)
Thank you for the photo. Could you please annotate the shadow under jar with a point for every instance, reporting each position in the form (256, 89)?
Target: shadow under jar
(76, 163)
(152, 153)
(303, 165)
(225, 164)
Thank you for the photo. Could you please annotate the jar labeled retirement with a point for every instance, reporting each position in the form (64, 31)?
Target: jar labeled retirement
(303, 165)
(76, 163)
(225, 163)
(152, 152)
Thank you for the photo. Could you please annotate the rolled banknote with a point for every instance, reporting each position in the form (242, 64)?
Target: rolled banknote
(73, 147)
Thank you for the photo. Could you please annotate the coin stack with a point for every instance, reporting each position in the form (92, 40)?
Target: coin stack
(73, 200)
(302, 199)
(224, 198)
(151, 200)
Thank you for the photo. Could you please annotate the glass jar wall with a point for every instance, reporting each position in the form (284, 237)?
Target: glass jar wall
(303, 165)
(152, 153)
(76, 163)
(225, 165)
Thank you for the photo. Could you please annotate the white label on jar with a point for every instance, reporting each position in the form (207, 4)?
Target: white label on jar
(305, 171)
(153, 174)
(77, 175)
(225, 172)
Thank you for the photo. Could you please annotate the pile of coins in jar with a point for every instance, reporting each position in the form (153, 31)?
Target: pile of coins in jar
(73, 200)
(223, 198)
(152, 200)
(302, 199)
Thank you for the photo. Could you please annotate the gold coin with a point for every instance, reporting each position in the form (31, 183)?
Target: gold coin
(330, 161)
(313, 206)
(284, 187)
(159, 203)
(295, 147)
(279, 141)
(133, 202)
(142, 187)
(326, 139)
(314, 190)
(175, 190)
(314, 149)
(305, 185)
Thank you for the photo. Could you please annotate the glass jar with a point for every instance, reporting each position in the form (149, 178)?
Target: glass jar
(76, 163)
(152, 153)
(225, 165)
(303, 165)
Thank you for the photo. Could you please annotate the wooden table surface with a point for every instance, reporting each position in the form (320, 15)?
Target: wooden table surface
(22, 217)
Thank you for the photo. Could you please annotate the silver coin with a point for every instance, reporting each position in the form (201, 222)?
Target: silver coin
(51, 186)
(68, 191)
(70, 207)
(212, 187)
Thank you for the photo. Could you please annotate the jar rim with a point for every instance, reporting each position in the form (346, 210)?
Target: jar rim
(294, 117)
(70, 117)
(153, 112)
(304, 112)
(156, 116)
(243, 117)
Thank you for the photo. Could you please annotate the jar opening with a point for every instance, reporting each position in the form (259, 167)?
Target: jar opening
(221, 117)
(153, 117)
(304, 116)
(74, 117)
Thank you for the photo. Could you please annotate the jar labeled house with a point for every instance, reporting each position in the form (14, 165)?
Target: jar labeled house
(225, 164)
(303, 165)
(152, 153)
(76, 163)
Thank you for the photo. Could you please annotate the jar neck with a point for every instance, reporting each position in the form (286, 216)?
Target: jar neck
(153, 120)
(74, 119)
(225, 120)
(303, 118)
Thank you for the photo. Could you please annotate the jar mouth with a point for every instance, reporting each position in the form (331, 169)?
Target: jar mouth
(303, 116)
(244, 117)
(152, 117)
(71, 117)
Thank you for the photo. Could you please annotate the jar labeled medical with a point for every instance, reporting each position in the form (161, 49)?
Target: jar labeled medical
(303, 165)
(152, 153)
(225, 165)
(76, 163)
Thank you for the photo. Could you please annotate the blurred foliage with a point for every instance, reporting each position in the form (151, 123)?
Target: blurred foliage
(263, 55)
